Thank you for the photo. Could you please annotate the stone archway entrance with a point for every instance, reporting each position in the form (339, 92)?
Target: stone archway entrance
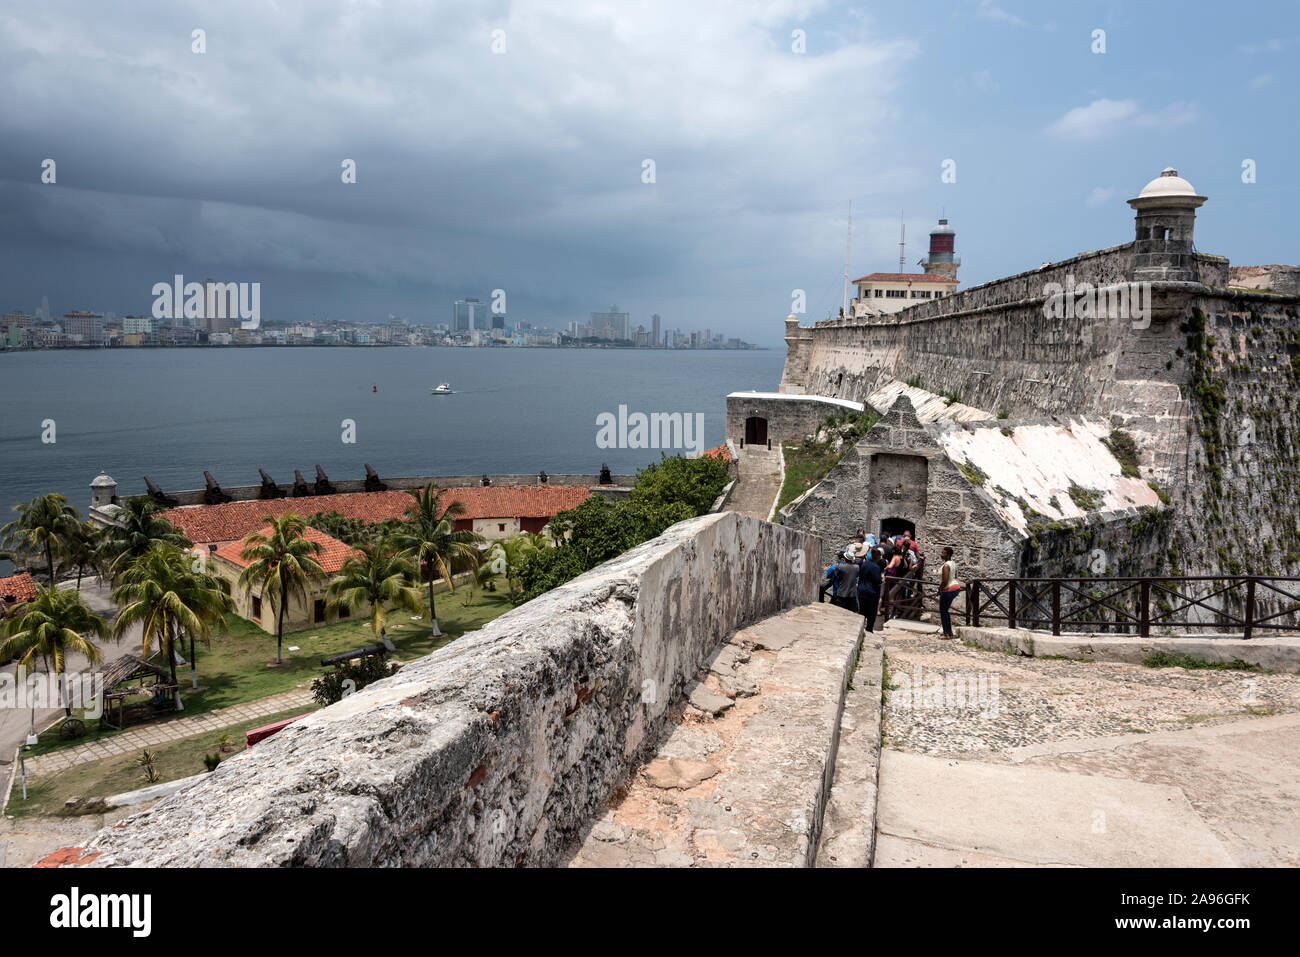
(896, 526)
(756, 430)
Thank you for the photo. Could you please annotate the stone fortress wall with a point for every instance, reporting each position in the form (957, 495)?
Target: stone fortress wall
(1207, 388)
(499, 748)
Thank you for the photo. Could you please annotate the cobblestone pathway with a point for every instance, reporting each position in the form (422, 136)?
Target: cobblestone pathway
(1106, 763)
(147, 736)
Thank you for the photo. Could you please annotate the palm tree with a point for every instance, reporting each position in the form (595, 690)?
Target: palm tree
(139, 525)
(281, 563)
(163, 593)
(45, 524)
(380, 576)
(430, 538)
(508, 555)
(52, 625)
(537, 540)
(83, 548)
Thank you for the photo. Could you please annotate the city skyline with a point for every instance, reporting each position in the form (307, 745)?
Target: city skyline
(468, 326)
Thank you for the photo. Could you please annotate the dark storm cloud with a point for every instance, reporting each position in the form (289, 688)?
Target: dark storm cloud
(476, 169)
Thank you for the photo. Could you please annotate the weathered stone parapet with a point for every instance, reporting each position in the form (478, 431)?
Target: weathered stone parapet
(498, 748)
(248, 493)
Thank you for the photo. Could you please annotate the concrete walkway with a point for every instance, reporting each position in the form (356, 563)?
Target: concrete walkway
(15, 722)
(134, 740)
(991, 759)
(759, 481)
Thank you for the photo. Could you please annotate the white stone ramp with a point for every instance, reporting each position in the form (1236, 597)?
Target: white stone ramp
(742, 776)
(942, 812)
(758, 482)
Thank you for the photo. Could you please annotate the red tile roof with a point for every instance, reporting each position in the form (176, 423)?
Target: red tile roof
(18, 588)
(205, 524)
(331, 556)
(718, 452)
(904, 277)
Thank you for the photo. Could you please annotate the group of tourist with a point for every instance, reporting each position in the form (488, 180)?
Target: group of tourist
(869, 577)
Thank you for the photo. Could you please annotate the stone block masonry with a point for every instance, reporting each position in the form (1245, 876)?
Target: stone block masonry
(1206, 390)
(499, 748)
(788, 418)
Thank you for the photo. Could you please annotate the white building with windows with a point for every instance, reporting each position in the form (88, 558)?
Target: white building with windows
(884, 293)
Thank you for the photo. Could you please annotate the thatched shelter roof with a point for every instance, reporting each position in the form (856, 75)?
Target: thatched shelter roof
(128, 668)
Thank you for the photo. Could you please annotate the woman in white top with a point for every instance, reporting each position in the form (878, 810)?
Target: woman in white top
(949, 588)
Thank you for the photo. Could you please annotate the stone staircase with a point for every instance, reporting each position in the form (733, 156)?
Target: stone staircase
(744, 771)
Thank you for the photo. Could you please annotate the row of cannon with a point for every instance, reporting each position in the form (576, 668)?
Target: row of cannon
(213, 495)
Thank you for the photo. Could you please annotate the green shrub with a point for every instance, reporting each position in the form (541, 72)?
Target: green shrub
(348, 678)
(667, 492)
(1086, 498)
(1124, 449)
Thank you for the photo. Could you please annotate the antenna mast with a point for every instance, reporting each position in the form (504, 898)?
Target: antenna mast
(848, 245)
(902, 238)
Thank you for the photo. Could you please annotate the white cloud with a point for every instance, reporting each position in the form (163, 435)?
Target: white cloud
(1263, 80)
(1105, 117)
(1099, 118)
(989, 10)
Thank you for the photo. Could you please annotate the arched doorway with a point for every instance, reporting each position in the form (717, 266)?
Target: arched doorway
(756, 430)
(896, 526)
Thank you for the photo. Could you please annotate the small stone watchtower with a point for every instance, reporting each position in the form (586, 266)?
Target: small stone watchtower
(1166, 214)
(798, 343)
(103, 491)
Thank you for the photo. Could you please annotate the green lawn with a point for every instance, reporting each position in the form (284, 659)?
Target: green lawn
(176, 759)
(807, 462)
(239, 665)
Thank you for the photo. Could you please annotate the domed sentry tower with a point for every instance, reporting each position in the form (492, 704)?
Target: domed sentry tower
(941, 260)
(103, 490)
(1166, 214)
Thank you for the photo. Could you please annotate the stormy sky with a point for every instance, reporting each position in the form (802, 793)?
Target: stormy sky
(502, 145)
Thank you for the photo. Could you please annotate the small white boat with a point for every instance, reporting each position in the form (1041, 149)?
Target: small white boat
(443, 388)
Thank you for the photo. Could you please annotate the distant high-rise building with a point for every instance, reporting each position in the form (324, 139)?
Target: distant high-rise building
(655, 340)
(139, 325)
(85, 327)
(614, 323)
(468, 314)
